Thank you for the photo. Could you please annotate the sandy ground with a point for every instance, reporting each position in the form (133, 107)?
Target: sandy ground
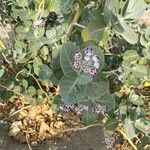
(89, 139)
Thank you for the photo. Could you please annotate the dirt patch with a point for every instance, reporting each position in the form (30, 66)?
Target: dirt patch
(91, 138)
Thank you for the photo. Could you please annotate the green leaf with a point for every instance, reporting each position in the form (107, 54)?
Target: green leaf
(2, 72)
(39, 32)
(71, 91)
(136, 99)
(22, 31)
(57, 32)
(125, 31)
(129, 128)
(89, 117)
(45, 72)
(44, 51)
(139, 71)
(130, 55)
(66, 58)
(123, 108)
(136, 113)
(84, 78)
(24, 84)
(31, 91)
(146, 53)
(21, 3)
(110, 10)
(107, 100)
(96, 29)
(97, 87)
(65, 5)
(134, 9)
(37, 63)
(143, 125)
(53, 5)
(56, 68)
(51, 34)
(111, 124)
(56, 103)
(133, 80)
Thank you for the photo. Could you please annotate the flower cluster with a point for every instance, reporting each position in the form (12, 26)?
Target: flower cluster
(89, 63)
(99, 109)
(79, 109)
(72, 108)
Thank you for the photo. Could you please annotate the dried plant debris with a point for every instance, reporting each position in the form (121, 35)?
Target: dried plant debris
(40, 122)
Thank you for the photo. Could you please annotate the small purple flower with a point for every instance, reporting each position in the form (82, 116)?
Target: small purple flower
(100, 109)
(80, 109)
(64, 109)
(78, 56)
(88, 51)
(61, 108)
(84, 107)
(76, 64)
(93, 71)
(67, 108)
(70, 106)
(96, 58)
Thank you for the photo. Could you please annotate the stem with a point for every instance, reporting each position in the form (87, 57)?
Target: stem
(79, 129)
(75, 20)
(7, 61)
(39, 85)
(19, 110)
(125, 136)
(79, 25)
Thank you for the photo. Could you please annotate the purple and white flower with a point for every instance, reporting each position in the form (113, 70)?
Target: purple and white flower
(78, 56)
(88, 63)
(76, 64)
(93, 71)
(89, 51)
(100, 109)
(80, 109)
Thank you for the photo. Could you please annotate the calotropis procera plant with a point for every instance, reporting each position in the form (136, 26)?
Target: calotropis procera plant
(83, 82)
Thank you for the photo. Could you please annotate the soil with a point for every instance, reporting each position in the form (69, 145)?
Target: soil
(91, 138)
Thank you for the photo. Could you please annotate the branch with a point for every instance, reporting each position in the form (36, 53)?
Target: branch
(125, 136)
(74, 21)
(39, 85)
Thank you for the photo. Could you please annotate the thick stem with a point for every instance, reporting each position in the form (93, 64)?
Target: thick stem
(75, 20)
